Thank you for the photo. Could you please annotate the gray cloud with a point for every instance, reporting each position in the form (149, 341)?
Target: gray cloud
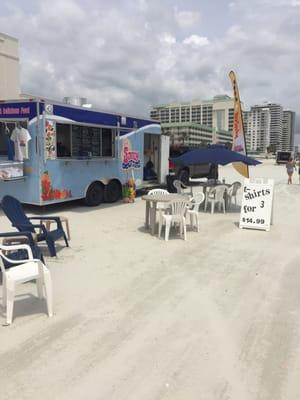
(130, 54)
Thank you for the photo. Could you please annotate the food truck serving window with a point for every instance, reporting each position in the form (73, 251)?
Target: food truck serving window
(107, 142)
(81, 141)
(63, 140)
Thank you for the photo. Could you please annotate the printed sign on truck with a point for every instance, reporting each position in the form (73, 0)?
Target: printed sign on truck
(130, 158)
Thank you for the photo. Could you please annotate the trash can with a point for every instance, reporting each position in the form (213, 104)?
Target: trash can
(170, 186)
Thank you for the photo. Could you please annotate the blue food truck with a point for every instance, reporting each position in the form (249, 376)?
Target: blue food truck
(53, 152)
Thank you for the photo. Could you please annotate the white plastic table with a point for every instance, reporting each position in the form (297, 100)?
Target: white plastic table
(210, 185)
(151, 206)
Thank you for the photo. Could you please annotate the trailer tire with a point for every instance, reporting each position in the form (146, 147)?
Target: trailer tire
(95, 194)
(113, 191)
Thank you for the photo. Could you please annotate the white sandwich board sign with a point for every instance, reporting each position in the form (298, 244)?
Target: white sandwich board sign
(257, 204)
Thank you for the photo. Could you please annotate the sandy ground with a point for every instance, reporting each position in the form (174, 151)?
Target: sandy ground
(136, 318)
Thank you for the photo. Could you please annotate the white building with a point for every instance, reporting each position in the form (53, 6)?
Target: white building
(197, 122)
(216, 113)
(288, 130)
(195, 135)
(223, 112)
(257, 123)
(9, 67)
(269, 125)
(276, 121)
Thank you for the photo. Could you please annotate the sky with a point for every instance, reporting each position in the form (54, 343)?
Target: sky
(127, 55)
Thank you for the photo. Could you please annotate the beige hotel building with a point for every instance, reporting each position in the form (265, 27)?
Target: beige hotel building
(9, 67)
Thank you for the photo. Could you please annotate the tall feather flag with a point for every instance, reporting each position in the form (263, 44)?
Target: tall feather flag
(238, 136)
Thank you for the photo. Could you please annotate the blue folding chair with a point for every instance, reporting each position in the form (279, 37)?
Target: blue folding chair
(15, 213)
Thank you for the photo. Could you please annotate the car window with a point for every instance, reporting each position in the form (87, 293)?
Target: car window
(178, 151)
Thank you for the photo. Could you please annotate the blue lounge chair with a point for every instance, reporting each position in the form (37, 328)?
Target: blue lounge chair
(15, 213)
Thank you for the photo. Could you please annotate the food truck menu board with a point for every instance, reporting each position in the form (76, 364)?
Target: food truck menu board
(257, 204)
(85, 141)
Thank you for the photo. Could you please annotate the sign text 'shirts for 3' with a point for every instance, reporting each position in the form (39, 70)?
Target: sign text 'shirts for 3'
(257, 203)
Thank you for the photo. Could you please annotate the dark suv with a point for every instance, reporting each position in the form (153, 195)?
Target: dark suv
(185, 172)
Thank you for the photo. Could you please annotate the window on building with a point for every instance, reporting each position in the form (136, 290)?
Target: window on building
(220, 114)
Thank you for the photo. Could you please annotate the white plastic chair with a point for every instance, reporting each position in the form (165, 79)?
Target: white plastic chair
(193, 210)
(177, 217)
(30, 269)
(180, 188)
(161, 207)
(216, 195)
(162, 192)
(232, 192)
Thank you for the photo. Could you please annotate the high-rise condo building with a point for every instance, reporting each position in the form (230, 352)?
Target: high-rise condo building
(268, 125)
(9, 67)
(257, 124)
(288, 130)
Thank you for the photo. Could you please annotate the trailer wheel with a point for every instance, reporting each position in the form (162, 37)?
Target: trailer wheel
(94, 195)
(113, 191)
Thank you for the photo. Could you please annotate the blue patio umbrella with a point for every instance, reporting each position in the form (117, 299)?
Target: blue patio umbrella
(214, 154)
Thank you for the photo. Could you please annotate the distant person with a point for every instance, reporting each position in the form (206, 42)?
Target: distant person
(290, 166)
(149, 172)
